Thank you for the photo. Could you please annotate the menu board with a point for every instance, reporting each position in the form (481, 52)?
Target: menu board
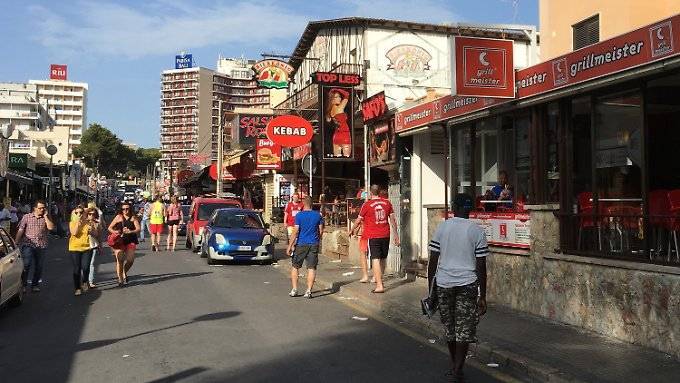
(505, 229)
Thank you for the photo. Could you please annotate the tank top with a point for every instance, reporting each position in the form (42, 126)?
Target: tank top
(130, 224)
(173, 212)
(156, 217)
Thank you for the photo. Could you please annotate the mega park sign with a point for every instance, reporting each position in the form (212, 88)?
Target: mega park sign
(289, 131)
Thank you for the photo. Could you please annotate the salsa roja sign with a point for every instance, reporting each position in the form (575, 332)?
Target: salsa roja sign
(289, 131)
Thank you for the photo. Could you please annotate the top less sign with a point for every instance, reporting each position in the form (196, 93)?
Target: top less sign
(642, 46)
(184, 60)
(484, 67)
(58, 72)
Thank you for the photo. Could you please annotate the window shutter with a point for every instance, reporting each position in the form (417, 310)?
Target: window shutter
(587, 32)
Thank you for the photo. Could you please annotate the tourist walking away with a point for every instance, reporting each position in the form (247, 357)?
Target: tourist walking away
(304, 246)
(32, 241)
(144, 213)
(457, 268)
(79, 248)
(377, 215)
(363, 250)
(125, 226)
(156, 220)
(292, 208)
(95, 219)
(174, 217)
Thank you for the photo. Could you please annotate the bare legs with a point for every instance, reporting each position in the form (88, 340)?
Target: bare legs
(364, 268)
(172, 237)
(311, 277)
(379, 266)
(458, 352)
(342, 150)
(124, 261)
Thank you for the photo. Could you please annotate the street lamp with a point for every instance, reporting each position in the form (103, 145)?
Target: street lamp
(153, 188)
(51, 150)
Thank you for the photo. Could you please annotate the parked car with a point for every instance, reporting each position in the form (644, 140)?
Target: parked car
(236, 235)
(11, 266)
(200, 212)
(183, 225)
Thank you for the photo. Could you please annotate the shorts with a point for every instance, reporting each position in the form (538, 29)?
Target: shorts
(173, 222)
(156, 228)
(363, 245)
(126, 247)
(378, 248)
(458, 312)
(309, 254)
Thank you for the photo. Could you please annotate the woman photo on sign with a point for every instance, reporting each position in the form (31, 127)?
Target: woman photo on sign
(335, 111)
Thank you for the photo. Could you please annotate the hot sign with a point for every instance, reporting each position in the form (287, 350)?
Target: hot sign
(374, 107)
(289, 131)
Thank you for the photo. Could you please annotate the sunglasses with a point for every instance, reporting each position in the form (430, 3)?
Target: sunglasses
(125, 208)
(90, 213)
(78, 213)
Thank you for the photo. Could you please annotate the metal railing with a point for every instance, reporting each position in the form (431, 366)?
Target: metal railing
(334, 213)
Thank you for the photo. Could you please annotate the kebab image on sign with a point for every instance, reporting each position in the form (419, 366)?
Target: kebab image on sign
(337, 123)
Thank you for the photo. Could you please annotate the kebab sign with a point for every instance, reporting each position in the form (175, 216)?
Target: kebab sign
(289, 131)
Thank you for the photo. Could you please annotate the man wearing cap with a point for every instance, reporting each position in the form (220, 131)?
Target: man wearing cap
(457, 265)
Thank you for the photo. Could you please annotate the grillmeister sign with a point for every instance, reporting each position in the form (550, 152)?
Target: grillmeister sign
(484, 67)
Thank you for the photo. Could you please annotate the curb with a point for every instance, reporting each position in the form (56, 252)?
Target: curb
(403, 318)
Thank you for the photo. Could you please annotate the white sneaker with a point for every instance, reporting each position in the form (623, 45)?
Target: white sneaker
(308, 294)
(293, 293)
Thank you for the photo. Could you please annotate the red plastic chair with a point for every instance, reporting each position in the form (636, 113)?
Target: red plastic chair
(587, 217)
(674, 222)
(659, 212)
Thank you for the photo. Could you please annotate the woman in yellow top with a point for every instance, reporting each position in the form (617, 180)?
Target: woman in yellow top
(79, 247)
(156, 221)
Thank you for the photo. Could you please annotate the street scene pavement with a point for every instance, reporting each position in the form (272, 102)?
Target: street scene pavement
(182, 320)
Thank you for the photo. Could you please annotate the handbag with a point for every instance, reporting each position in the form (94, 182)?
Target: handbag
(114, 240)
(430, 304)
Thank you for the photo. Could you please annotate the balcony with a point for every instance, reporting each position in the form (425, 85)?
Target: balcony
(307, 96)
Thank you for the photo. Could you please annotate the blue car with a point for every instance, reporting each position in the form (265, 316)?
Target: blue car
(235, 234)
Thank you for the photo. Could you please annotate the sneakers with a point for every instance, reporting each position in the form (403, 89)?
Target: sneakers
(78, 292)
(35, 289)
(293, 293)
(308, 294)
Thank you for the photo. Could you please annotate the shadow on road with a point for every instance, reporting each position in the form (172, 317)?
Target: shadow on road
(149, 279)
(179, 376)
(203, 318)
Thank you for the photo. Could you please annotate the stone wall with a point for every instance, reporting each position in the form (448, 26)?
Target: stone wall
(638, 303)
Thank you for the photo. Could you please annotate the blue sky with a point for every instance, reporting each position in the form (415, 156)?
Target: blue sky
(121, 47)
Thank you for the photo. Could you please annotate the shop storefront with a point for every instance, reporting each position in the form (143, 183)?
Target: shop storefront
(576, 185)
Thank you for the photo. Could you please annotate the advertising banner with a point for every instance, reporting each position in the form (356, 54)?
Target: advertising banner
(273, 74)
(184, 60)
(374, 107)
(267, 154)
(289, 131)
(299, 152)
(642, 46)
(439, 110)
(505, 229)
(382, 147)
(484, 67)
(251, 127)
(337, 122)
(58, 72)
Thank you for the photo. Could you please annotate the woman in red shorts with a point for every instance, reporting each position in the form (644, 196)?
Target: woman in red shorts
(335, 111)
(127, 226)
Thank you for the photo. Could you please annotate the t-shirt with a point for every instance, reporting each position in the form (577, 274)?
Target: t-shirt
(459, 242)
(375, 213)
(308, 222)
(156, 217)
(292, 209)
(80, 242)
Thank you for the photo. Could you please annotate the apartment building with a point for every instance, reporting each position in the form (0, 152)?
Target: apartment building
(190, 108)
(67, 105)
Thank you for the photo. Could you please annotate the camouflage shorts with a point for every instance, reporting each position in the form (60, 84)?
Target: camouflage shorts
(458, 312)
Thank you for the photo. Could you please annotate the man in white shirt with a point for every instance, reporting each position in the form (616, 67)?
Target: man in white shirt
(457, 265)
(5, 217)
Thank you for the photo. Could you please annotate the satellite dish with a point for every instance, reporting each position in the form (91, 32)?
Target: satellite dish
(305, 164)
(6, 130)
(51, 150)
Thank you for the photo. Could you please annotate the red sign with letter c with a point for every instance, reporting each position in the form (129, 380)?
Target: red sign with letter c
(290, 131)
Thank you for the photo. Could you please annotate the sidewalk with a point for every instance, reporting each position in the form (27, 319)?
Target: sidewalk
(528, 347)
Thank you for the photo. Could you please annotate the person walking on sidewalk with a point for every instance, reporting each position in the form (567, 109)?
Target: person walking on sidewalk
(144, 213)
(79, 248)
(32, 240)
(304, 246)
(127, 226)
(457, 266)
(363, 249)
(292, 208)
(377, 215)
(95, 219)
(173, 216)
(156, 219)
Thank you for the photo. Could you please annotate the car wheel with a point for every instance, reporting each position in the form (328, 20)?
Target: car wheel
(17, 299)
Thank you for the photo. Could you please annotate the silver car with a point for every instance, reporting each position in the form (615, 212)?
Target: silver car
(11, 266)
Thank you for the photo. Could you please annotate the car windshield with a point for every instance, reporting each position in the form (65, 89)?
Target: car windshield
(238, 220)
(206, 210)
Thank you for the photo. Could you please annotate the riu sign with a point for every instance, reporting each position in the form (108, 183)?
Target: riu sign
(58, 72)
(374, 107)
(336, 79)
(290, 131)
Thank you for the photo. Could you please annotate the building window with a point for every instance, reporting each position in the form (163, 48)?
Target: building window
(585, 33)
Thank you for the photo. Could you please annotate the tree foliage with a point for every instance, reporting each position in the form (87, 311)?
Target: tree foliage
(99, 147)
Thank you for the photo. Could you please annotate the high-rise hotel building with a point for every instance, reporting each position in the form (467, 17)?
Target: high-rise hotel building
(190, 107)
(67, 105)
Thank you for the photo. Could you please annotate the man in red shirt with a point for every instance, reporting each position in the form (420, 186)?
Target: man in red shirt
(377, 215)
(292, 208)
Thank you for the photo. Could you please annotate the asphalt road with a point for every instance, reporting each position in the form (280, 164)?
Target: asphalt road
(182, 320)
